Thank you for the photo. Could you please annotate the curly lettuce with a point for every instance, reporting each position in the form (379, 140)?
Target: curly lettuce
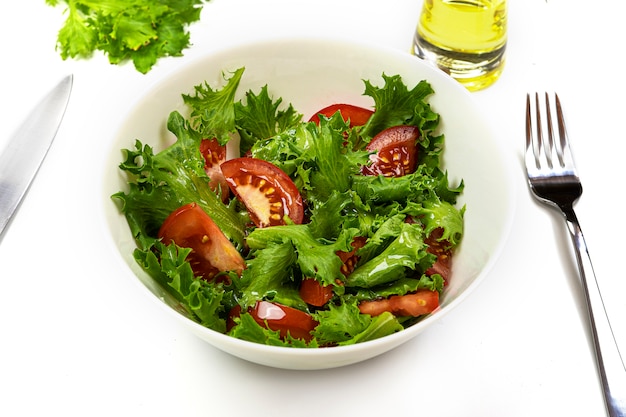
(141, 31)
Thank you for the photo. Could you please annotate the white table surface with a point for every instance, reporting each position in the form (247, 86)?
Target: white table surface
(79, 338)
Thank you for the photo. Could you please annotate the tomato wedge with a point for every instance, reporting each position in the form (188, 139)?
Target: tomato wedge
(441, 249)
(278, 317)
(414, 304)
(357, 116)
(211, 251)
(214, 154)
(314, 293)
(267, 192)
(396, 152)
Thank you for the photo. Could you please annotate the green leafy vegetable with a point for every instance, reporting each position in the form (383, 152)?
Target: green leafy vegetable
(213, 112)
(262, 117)
(402, 254)
(139, 30)
(201, 299)
(344, 325)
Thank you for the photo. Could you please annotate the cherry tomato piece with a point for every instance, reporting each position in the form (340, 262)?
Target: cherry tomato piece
(396, 152)
(267, 192)
(357, 116)
(278, 317)
(211, 251)
(414, 304)
(214, 154)
(314, 293)
(350, 259)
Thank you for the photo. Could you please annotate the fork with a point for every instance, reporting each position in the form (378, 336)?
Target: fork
(553, 180)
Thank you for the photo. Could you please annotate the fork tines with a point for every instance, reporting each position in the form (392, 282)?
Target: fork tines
(551, 150)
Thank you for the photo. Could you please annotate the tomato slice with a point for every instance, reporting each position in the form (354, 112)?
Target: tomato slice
(278, 317)
(415, 304)
(211, 251)
(214, 154)
(314, 293)
(441, 249)
(267, 192)
(357, 116)
(396, 152)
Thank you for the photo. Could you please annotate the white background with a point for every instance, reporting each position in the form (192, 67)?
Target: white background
(78, 337)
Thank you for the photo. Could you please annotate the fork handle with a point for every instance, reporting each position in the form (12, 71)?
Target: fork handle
(610, 364)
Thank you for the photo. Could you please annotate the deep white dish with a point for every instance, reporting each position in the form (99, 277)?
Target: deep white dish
(310, 74)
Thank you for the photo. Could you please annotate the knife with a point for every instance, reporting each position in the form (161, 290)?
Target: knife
(27, 148)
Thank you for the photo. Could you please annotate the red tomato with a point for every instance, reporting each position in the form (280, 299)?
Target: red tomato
(277, 317)
(314, 293)
(357, 116)
(211, 252)
(214, 154)
(396, 152)
(268, 193)
(415, 304)
(441, 249)
(350, 259)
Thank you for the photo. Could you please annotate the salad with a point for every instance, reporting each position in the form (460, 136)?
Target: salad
(323, 231)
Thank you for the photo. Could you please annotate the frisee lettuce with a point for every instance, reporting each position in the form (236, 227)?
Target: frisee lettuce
(142, 31)
(324, 161)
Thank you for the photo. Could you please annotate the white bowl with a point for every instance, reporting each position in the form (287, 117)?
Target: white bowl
(311, 74)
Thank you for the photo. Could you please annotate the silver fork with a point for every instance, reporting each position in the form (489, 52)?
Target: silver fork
(553, 180)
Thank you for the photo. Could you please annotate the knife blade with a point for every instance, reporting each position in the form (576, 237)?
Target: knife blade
(24, 153)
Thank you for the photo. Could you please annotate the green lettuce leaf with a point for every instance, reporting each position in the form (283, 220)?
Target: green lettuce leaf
(345, 325)
(406, 252)
(401, 286)
(213, 111)
(141, 31)
(313, 257)
(397, 105)
(201, 299)
(262, 117)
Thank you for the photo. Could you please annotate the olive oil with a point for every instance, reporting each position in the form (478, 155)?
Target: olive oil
(465, 38)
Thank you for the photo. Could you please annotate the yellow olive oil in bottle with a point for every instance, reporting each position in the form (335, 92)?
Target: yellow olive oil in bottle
(465, 38)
